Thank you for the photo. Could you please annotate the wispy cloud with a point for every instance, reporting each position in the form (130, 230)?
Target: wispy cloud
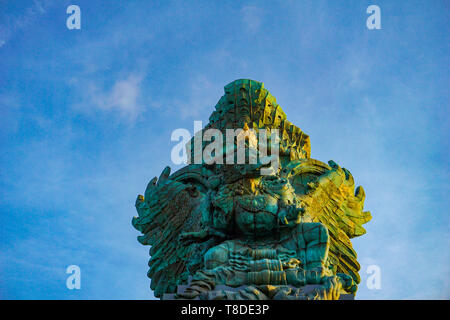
(196, 100)
(12, 25)
(122, 98)
(9, 107)
(252, 18)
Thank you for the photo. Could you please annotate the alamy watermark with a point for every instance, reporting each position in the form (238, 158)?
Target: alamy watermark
(241, 146)
(373, 281)
(374, 20)
(74, 20)
(74, 280)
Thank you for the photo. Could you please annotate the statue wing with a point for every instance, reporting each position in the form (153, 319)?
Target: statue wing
(173, 205)
(329, 197)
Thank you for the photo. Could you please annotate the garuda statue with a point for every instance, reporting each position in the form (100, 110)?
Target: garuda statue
(227, 231)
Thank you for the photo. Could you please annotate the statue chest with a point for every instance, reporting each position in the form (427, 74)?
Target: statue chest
(256, 215)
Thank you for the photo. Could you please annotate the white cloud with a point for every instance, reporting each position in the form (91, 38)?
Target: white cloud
(10, 109)
(251, 17)
(15, 24)
(201, 95)
(123, 97)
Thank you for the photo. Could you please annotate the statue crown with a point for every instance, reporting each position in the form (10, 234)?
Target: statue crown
(247, 102)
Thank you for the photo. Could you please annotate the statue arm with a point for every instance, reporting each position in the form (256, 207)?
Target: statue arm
(314, 243)
(202, 235)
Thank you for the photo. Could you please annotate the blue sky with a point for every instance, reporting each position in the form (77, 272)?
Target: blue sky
(86, 117)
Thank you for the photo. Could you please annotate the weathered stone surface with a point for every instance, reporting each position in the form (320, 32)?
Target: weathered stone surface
(242, 234)
(308, 292)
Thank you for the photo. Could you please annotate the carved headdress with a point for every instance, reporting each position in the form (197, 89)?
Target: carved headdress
(248, 102)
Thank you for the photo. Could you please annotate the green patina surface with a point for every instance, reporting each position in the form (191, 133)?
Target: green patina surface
(270, 236)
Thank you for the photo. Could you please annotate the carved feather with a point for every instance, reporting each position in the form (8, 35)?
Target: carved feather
(329, 196)
(170, 208)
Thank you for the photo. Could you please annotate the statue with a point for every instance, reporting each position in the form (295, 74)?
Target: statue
(227, 231)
